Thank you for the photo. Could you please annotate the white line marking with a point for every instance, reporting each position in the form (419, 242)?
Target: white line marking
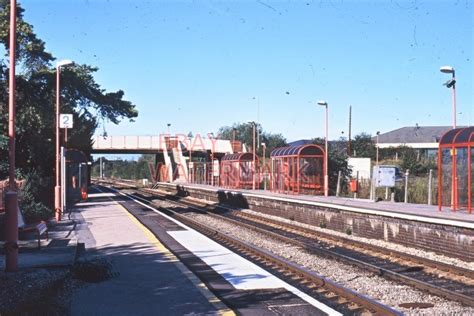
(324, 308)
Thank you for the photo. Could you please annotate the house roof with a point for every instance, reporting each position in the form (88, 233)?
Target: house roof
(414, 134)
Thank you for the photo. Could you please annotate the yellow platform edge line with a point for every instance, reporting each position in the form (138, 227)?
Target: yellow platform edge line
(222, 309)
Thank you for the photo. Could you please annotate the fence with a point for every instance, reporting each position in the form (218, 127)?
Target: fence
(4, 187)
(417, 190)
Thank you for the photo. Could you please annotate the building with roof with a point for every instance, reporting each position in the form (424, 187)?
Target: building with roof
(418, 137)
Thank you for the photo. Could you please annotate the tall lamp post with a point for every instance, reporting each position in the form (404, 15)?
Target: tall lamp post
(451, 83)
(57, 188)
(326, 180)
(264, 146)
(377, 149)
(253, 151)
(11, 196)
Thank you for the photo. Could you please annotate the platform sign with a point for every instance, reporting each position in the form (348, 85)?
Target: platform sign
(384, 176)
(65, 120)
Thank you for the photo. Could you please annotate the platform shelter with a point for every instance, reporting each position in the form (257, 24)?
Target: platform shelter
(298, 169)
(456, 169)
(238, 170)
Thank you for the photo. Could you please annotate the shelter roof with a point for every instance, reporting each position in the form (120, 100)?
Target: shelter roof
(239, 157)
(301, 150)
(460, 135)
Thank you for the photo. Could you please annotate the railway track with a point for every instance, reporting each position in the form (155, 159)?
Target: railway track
(328, 292)
(450, 282)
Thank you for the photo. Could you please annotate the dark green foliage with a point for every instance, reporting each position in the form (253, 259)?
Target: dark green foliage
(35, 100)
(124, 169)
(244, 133)
(363, 146)
(411, 160)
(33, 211)
(337, 161)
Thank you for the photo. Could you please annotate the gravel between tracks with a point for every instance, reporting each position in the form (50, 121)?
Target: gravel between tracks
(363, 282)
(380, 243)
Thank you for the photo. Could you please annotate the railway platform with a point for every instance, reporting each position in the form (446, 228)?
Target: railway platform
(164, 267)
(422, 226)
(147, 277)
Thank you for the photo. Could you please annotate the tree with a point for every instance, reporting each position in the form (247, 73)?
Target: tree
(35, 95)
(337, 161)
(244, 133)
(363, 146)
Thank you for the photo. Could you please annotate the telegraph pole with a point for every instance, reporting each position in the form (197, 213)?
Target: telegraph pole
(350, 125)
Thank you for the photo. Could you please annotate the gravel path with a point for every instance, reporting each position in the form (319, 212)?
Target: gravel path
(385, 291)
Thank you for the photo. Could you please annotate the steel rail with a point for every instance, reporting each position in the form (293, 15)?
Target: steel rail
(348, 243)
(335, 294)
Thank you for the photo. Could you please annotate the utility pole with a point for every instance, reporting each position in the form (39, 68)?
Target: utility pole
(350, 127)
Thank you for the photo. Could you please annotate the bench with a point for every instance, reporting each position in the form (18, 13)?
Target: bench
(39, 228)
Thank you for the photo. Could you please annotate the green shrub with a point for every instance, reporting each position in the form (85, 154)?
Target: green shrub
(33, 211)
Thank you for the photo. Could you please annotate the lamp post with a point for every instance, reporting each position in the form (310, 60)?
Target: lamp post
(326, 180)
(377, 149)
(451, 83)
(169, 124)
(253, 151)
(57, 189)
(11, 196)
(264, 146)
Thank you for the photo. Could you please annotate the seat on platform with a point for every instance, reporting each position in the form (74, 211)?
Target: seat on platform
(39, 228)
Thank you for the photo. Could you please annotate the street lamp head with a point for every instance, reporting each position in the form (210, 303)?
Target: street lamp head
(447, 69)
(322, 103)
(378, 132)
(64, 62)
(264, 145)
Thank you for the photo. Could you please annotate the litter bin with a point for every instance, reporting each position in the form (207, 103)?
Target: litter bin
(353, 185)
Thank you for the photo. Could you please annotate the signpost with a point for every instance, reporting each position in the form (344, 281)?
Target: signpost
(65, 121)
(383, 176)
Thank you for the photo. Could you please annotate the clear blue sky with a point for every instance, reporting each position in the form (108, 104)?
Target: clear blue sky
(200, 65)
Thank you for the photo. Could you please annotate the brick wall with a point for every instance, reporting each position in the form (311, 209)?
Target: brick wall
(443, 239)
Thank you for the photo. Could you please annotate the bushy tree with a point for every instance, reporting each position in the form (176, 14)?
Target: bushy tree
(337, 161)
(244, 133)
(35, 95)
(363, 146)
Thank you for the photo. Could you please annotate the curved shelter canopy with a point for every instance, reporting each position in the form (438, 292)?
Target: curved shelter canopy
(298, 169)
(456, 169)
(301, 150)
(239, 170)
(239, 157)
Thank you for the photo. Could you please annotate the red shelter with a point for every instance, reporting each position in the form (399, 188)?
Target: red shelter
(238, 170)
(298, 169)
(456, 169)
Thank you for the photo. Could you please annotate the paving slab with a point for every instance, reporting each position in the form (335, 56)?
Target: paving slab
(149, 280)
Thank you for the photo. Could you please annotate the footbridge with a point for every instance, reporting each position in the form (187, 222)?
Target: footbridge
(178, 158)
(152, 144)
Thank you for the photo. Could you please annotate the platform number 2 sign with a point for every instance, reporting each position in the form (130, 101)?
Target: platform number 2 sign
(65, 120)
